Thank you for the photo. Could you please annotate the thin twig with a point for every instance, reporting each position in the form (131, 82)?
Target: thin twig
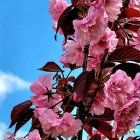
(86, 52)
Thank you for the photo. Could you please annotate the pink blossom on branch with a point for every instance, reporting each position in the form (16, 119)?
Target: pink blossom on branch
(91, 27)
(70, 125)
(56, 8)
(126, 116)
(50, 122)
(96, 51)
(42, 85)
(118, 89)
(113, 8)
(34, 135)
(74, 54)
(65, 126)
(97, 107)
(136, 82)
(39, 111)
(134, 4)
(9, 136)
(75, 50)
(45, 101)
(42, 89)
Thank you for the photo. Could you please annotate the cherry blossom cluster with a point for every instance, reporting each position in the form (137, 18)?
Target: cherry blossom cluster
(106, 83)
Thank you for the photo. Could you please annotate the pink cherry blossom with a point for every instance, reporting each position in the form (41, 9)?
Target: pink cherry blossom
(126, 116)
(136, 82)
(91, 27)
(50, 122)
(96, 3)
(34, 135)
(38, 111)
(97, 107)
(118, 89)
(70, 125)
(40, 100)
(76, 97)
(96, 51)
(43, 101)
(9, 136)
(65, 126)
(42, 85)
(74, 53)
(134, 4)
(94, 59)
(113, 9)
(108, 41)
(56, 8)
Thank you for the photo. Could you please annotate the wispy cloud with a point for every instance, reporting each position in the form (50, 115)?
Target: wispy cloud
(10, 82)
(4, 129)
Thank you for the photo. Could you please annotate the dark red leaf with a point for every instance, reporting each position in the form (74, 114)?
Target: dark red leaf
(132, 25)
(84, 83)
(96, 137)
(134, 138)
(51, 67)
(35, 123)
(130, 68)
(65, 21)
(137, 138)
(107, 116)
(80, 85)
(18, 110)
(131, 12)
(124, 54)
(67, 108)
(88, 129)
(77, 2)
(68, 105)
(130, 138)
(46, 137)
(103, 127)
(74, 2)
(90, 82)
(24, 118)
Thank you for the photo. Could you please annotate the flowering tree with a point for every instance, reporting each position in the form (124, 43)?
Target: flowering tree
(103, 38)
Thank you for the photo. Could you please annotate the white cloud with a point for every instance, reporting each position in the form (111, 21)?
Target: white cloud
(4, 129)
(10, 83)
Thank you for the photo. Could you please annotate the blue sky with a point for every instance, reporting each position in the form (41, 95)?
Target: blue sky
(26, 44)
